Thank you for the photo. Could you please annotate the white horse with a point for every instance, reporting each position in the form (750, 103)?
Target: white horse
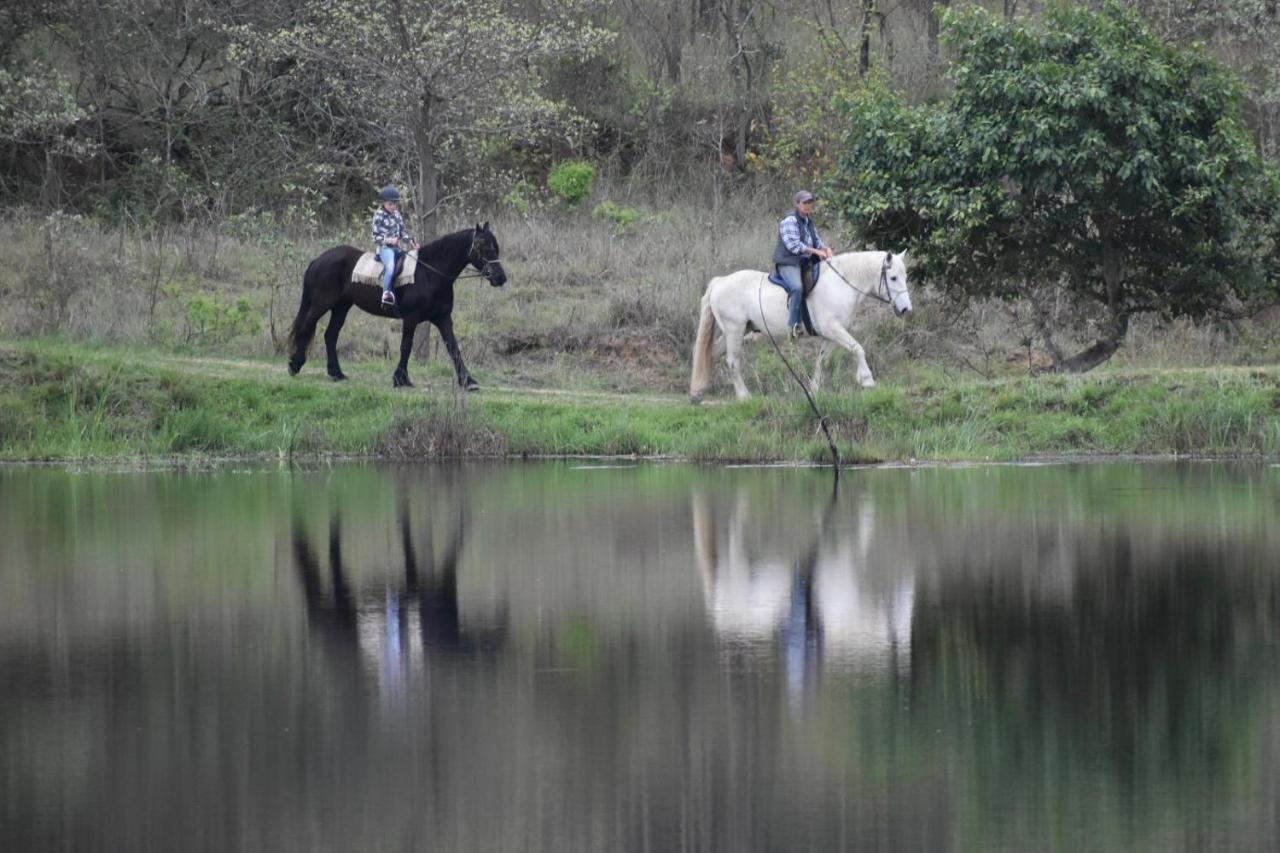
(746, 298)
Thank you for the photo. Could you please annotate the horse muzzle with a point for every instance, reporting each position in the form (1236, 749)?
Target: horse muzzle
(497, 277)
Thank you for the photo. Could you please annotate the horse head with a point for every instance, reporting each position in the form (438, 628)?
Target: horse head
(893, 275)
(484, 255)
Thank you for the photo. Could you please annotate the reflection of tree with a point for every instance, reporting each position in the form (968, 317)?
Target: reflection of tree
(1089, 713)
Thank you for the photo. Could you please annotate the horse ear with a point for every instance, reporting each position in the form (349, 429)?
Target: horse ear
(477, 226)
(486, 225)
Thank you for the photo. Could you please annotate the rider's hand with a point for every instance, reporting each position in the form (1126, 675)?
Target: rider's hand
(416, 245)
(393, 241)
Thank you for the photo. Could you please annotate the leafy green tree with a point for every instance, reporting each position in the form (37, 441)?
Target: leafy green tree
(1083, 155)
(414, 81)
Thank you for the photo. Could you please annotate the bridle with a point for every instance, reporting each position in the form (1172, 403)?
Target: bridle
(473, 256)
(883, 284)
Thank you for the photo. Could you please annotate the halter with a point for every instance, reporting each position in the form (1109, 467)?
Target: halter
(883, 284)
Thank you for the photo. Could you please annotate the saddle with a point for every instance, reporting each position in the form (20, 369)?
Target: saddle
(808, 280)
(368, 270)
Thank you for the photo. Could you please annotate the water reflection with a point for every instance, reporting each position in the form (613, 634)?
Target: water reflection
(806, 589)
(659, 658)
(389, 624)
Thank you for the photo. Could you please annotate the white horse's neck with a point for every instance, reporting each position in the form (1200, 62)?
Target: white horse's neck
(852, 277)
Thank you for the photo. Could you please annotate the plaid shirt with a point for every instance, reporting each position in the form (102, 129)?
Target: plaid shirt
(388, 224)
(796, 238)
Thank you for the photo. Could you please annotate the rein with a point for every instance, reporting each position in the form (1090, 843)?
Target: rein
(883, 284)
(823, 421)
(481, 273)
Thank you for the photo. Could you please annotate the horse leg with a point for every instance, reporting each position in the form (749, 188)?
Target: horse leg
(824, 349)
(733, 357)
(838, 334)
(400, 379)
(337, 317)
(445, 326)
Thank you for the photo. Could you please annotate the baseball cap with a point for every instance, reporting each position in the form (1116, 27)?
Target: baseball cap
(804, 195)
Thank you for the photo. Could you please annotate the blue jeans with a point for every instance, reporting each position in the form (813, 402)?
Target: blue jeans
(790, 275)
(387, 255)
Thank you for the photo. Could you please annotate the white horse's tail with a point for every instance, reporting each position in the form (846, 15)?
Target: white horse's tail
(701, 377)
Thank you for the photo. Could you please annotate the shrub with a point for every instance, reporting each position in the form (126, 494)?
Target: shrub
(621, 217)
(211, 322)
(572, 180)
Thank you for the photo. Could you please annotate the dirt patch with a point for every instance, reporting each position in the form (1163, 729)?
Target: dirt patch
(622, 343)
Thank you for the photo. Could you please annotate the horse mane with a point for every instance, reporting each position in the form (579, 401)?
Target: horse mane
(442, 243)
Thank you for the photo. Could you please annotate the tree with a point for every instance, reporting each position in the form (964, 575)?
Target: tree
(1083, 155)
(420, 79)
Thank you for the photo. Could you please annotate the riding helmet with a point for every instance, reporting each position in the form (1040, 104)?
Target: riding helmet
(389, 194)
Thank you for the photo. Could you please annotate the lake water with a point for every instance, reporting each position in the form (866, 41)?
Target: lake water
(595, 657)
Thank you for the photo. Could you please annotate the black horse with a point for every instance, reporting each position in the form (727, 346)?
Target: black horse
(327, 286)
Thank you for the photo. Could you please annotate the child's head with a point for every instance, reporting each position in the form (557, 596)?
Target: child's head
(389, 197)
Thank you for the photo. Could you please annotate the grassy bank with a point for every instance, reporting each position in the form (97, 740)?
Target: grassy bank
(60, 401)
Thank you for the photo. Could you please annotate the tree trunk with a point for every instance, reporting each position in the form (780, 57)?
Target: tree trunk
(864, 37)
(1102, 349)
(1106, 346)
(428, 172)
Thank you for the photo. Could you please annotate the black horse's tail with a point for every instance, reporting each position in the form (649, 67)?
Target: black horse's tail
(308, 285)
(299, 333)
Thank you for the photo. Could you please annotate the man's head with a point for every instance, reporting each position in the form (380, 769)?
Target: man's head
(804, 202)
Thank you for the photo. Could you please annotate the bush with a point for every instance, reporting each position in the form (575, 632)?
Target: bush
(621, 217)
(212, 322)
(572, 180)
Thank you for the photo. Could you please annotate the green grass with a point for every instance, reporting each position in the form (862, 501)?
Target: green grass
(60, 401)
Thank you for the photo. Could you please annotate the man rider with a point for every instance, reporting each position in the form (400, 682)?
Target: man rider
(798, 250)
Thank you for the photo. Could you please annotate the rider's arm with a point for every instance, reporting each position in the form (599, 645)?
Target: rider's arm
(789, 231)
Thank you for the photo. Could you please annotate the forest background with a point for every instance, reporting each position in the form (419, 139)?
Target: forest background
(167, 170)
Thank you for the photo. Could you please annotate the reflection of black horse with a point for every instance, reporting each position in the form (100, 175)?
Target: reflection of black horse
(431, 588)
(327, 286)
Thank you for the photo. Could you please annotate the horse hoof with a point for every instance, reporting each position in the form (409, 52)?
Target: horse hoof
(338, 377)
(471, 385)
(401, 382)
(867, 383)
(294, 368)
(695, 399)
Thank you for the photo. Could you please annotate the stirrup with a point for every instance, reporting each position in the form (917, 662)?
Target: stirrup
(388, 298)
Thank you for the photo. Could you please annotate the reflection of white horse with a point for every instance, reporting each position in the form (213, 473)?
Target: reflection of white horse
(746, 298)
(857, 616)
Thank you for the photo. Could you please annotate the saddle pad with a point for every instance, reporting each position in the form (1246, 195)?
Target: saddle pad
(368, 270)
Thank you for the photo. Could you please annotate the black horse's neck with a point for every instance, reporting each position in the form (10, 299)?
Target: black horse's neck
(447, 256)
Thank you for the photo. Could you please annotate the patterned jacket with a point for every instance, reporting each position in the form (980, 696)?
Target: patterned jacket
(388, 224)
